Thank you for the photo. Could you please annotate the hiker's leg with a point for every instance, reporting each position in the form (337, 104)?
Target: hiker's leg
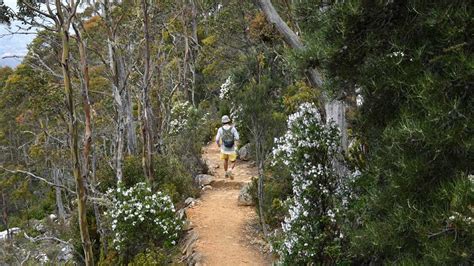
(224, 157)
(226, 163)
(233, 159)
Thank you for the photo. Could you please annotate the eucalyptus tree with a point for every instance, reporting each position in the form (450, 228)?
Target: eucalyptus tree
(146, 114)
(58, 17)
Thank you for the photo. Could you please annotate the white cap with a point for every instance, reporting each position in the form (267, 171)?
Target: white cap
(225, 119)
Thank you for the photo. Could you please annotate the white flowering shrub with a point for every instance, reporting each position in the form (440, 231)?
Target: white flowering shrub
(184, 116)
(141, 218)
(180, 113)
(311, 230)
(224, 92)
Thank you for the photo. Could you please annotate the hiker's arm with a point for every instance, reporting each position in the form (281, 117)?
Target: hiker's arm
(218, 136)
(236, 137)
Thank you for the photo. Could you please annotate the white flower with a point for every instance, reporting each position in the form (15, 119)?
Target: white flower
(225, 88)
(396, 54)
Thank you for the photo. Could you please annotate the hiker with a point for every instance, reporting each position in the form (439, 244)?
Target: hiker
(226, 139)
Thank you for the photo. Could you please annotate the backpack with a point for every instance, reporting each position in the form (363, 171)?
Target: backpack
(227, 137)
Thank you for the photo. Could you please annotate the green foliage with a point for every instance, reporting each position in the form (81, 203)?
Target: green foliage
(296, 94)
(277, 188)
(170, 174)
(412, 62)
(25, 200)
(5, 14)
(189, 130)
(152, 256)
(4, 73)
(72, 231)
(254, 99)
(174, 179)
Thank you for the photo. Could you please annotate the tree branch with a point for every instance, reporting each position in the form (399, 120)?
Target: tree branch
(51, 238)
(36, 177)
(32, 8)
(102, 201)
(292, 40)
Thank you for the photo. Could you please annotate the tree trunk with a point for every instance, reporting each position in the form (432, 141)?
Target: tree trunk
(291, 39)
(87, 141)
(122, 99)
(336, 111)
(119, 137)
(260, 158)
(5, 213)
(72, 128)
(184, 82)
(194, 50)
(314, 76)
(98, 217)
(130, 123)
(147, 151)
(260, 193)
(59, 198)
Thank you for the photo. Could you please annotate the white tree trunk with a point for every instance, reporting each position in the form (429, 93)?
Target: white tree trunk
(130, 125)
(336, 111)
(59, 198)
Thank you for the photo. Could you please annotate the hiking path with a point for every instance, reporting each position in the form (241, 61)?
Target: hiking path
(221, 224)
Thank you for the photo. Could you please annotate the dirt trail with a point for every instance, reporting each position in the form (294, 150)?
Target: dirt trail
(220, 222)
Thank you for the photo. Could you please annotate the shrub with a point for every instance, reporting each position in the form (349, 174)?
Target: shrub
(188, 131)
(150, 257)
(141, 219)
(173, 178)
(276, 190)
(311, 231)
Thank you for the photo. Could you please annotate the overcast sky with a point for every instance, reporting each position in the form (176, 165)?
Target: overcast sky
(14, 45)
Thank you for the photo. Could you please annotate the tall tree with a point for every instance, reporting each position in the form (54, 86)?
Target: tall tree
(334, 109)
(146, 115)
(63, 21)
(61, 15)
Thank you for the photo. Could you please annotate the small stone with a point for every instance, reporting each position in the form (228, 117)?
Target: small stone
(66, 254)
(203, 179)
(42, 258)
(187, 225)
(245, 199)
(11, 231)
(196, 259)
(53, 217)
(189, 201)
(181, 214)
(188, 246)
(208, 187)
(39, 226)
(245, 153)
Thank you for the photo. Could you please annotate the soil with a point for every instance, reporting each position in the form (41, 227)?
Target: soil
(220, 222)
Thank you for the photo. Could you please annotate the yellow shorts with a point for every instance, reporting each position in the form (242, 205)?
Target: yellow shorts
(232, 157)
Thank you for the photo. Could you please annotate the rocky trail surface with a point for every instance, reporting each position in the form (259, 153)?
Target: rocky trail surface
(220, 223)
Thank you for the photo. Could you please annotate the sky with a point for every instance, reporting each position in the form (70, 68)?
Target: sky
(12, 45)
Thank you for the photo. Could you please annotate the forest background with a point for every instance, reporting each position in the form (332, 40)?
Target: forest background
(358, 113)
